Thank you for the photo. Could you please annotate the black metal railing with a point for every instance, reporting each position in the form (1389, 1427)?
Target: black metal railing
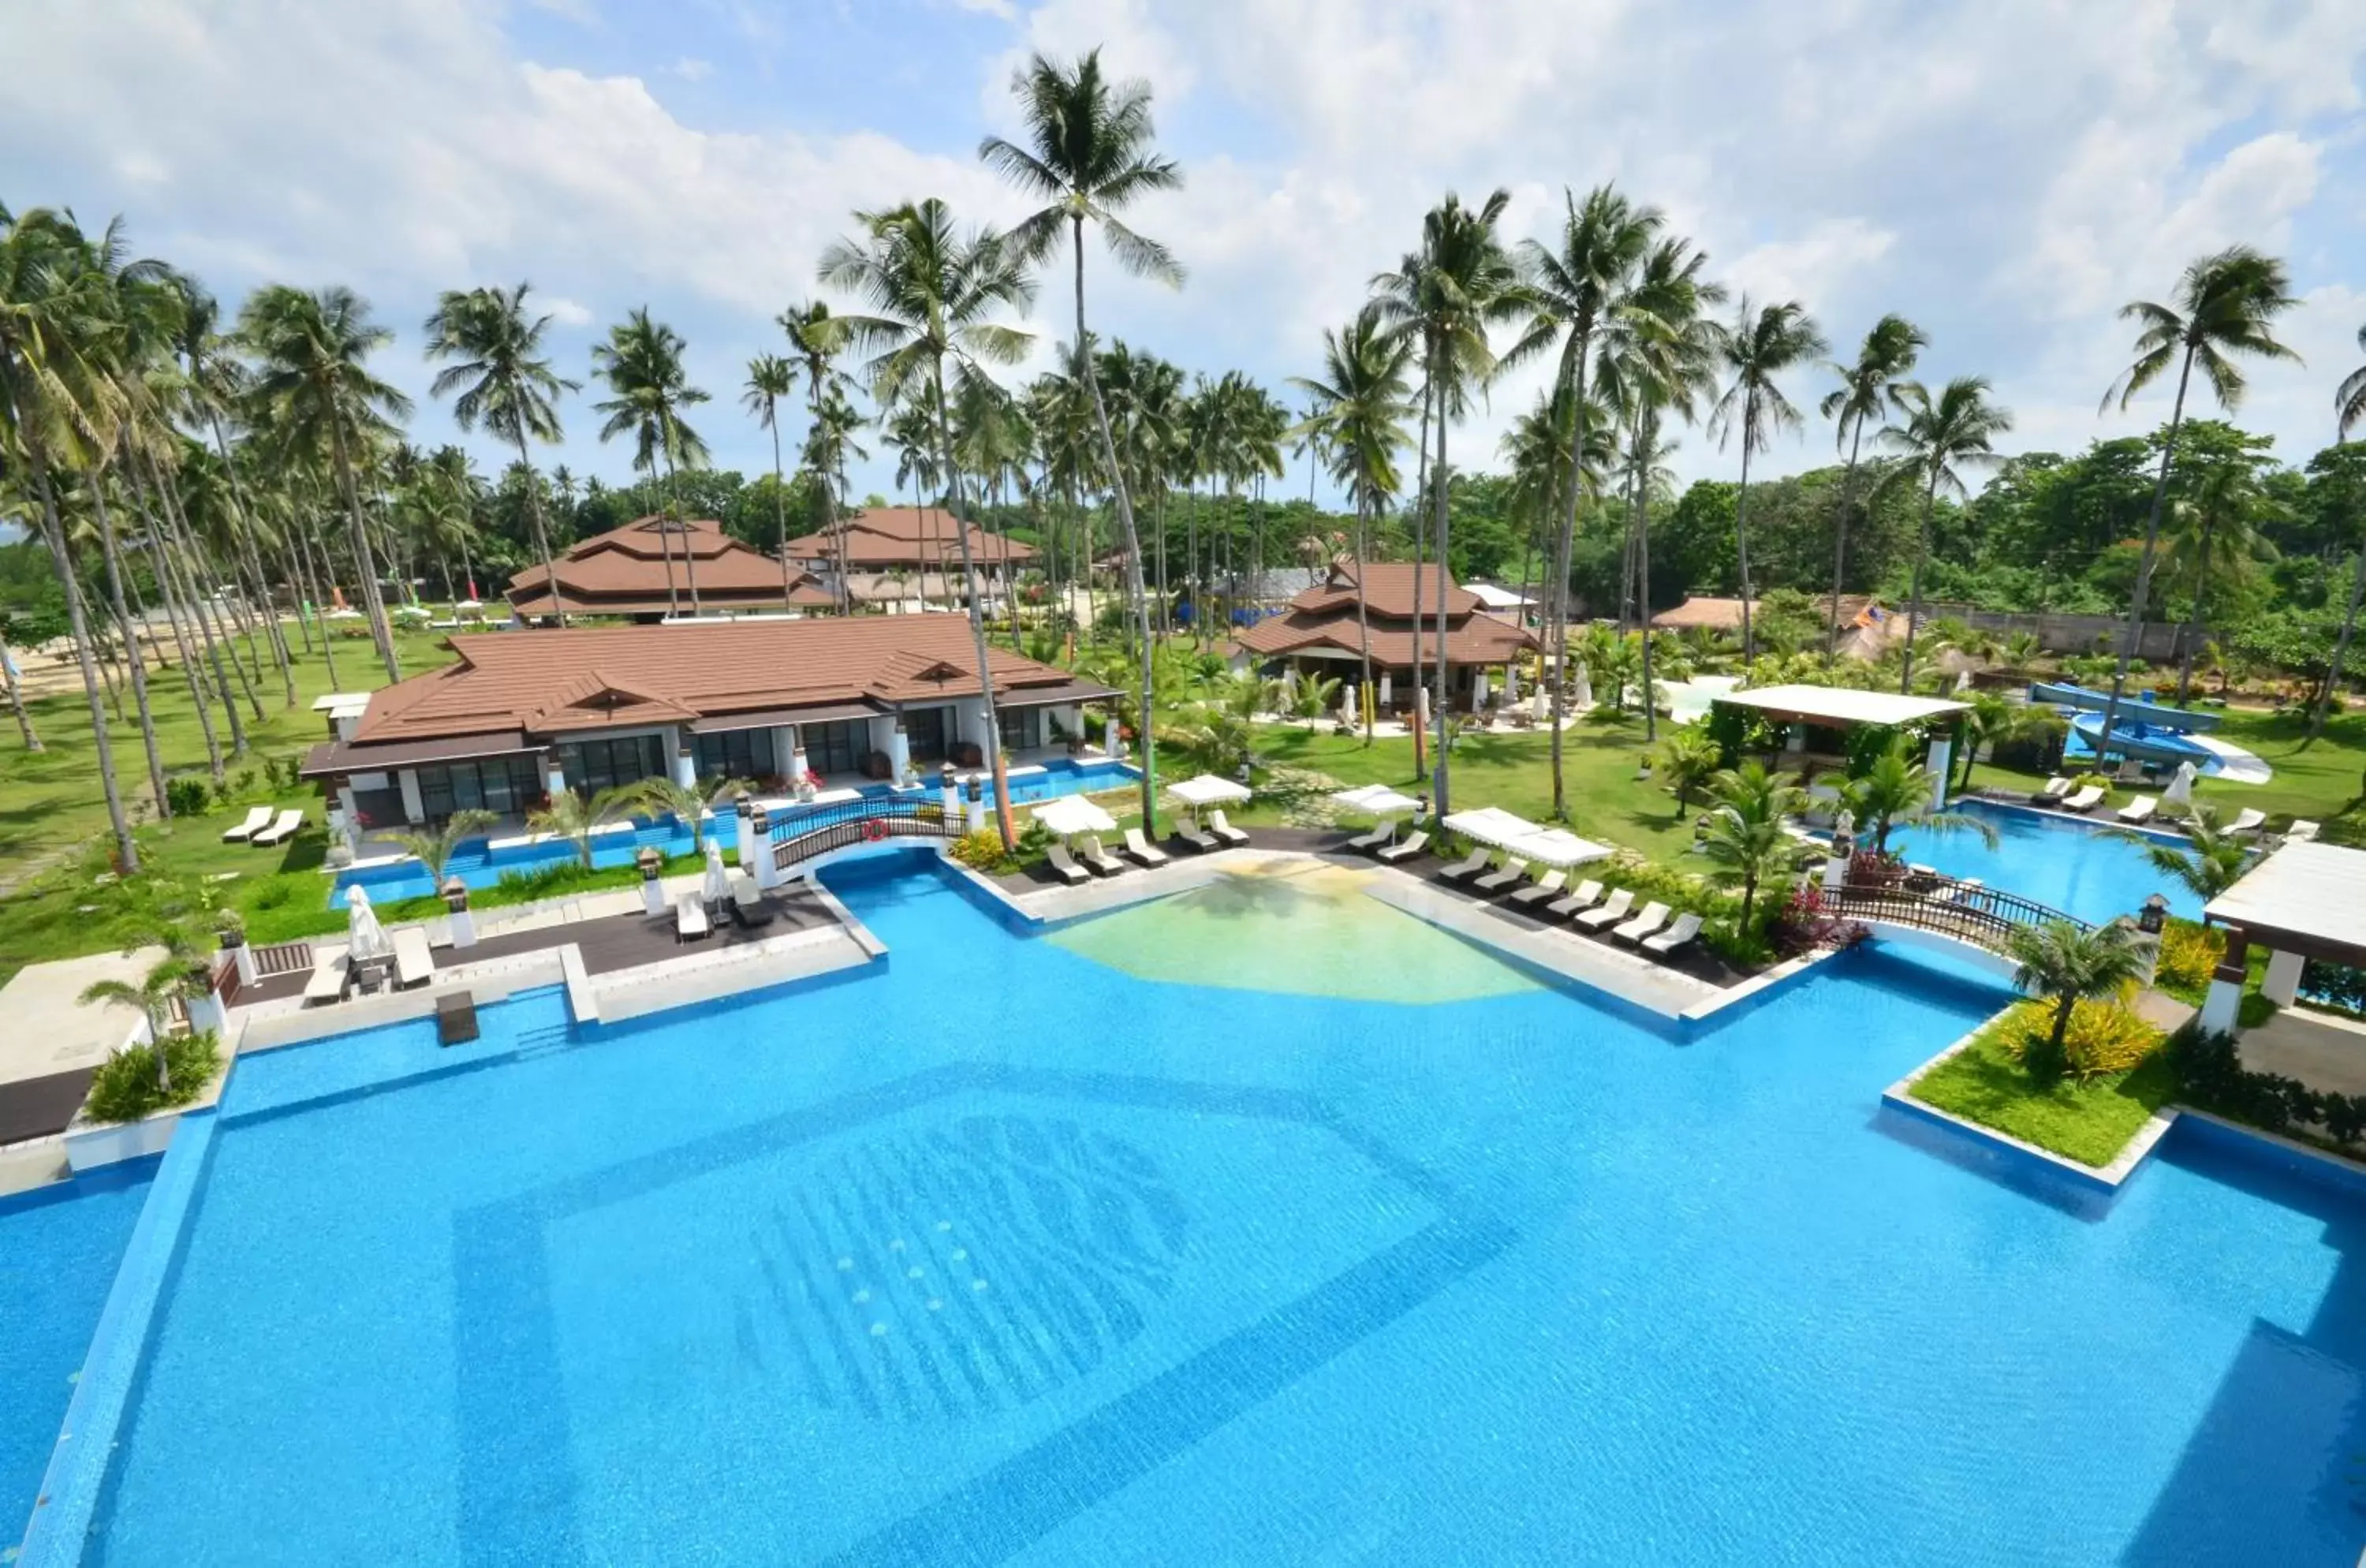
(817, 831)
(1968, 911)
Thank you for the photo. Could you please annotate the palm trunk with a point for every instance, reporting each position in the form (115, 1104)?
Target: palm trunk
(1651, 436)
(16, 702)
(1558, 642)
(689, 548)
(993, 746)
(1840, 543)
(169, 587)
(1741, 533)
(245, 518)
(1413, 516)
(365, 559)
(299, 582)
(780, 505)
(321, 585)
(2194, 617)
(1364, 694)
(176, 533)
(1914, 590)
(1443, 781)
(2134, 632)
(131, 640)
(2340, 647)
(541, 529)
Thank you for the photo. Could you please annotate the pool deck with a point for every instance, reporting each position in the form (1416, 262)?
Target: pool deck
(54, 1043)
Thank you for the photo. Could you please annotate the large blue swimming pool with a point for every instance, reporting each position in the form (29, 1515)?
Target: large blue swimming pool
(998, 1253)
(2079, 869)
(479, 865)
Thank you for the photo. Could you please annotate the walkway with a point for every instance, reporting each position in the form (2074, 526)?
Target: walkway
(2327, 1052)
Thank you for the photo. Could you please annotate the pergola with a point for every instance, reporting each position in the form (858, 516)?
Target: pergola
(1844, 708)
(2306, 900)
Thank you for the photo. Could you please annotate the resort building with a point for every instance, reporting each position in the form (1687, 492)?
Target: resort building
(903, 559)
(515, 718)
(1814, 723)
(2306, 901)
(1319, 635)
(646, 570)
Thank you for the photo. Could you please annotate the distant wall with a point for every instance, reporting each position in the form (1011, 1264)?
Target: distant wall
(2073, 634)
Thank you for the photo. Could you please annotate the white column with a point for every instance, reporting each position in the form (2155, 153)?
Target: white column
(2221, 1006)
(1511, 686)
(899, 752)
(882, 734)
(744, 826)
(1478, 689)
(553, 776)
(685, 761)
(950, 791)
(2283, 983)
(1941, 763)
(243, 954)
(349, 819)
(206, 1014)
(1796, 739)
(460, 921)
(787, 754)
(1388, 689)
(413, 808)
(760, 824)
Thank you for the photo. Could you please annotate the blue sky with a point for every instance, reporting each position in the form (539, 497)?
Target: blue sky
(2006, 174)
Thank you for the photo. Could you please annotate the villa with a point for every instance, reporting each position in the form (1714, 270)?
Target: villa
(591, 708)
(646, 570)
(1320, 633)
(899, 558)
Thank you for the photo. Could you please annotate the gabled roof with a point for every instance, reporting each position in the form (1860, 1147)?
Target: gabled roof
(1389, 590)
(627, 571)
(911, 535)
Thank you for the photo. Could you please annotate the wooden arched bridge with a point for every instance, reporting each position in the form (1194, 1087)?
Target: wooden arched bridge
(804, 833)
(1878, 894)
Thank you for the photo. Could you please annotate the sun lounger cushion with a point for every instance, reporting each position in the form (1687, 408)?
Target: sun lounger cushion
(1610, 914)
(1686, 928)
(414, 965)
(2303, 829)
(2249, 820)
(1143, 850)
(1414, 842)
(1224, 829)
(1373, 840)
(1069, 870)
(1471, 866)
(1588, 894)
(690, 918)
(1496, 881)
(1099, 859)
(258, 819)
(2140, 810)
(2086, 799)
(1191, 835)
(328, 981)
(2055, 788)
(1654, 916)
(1542, 888)
(282, 830)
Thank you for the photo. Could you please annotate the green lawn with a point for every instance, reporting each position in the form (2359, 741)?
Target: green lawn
(2090, 1121)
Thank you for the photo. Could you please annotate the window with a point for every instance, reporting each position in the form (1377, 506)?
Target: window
(924, 728)
(836, 746)
(594, 765)
(1022, 729)
(506, 787)
(736, 754)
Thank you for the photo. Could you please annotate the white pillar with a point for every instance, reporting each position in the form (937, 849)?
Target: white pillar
(554, 774)
(950, 790)
(206, 1014)
(685, 762)
(882, 734)
(743, 821)
(976, 792)
(2221, 1006)
(1388, 689)
(760, 824)
(1511, 686)
(653, 898)
(1478, 689)
(407, 781)
(1941, 763)
(459, 919)
(243, 953)
(349, 819)
(2283, 983)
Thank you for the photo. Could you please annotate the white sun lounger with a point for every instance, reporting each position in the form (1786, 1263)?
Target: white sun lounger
(2140, 810)
(329, 971)
(1469, 866)
(2250, 820)
(256, 819)
(282, 830)
(1070, 872)
(690, 920)
(1509, 877)
(1189, 834)
(414, 965)
(1375, 839)
(1099, 859)
(2085, 800)
(2303, 830)
(1225, 830)
(2055, 788)
(1143, 850)
(1610, 914)
(1654, 916)
(1415, 842)
(1681, 933)
(1588, 894)
(1542, 888)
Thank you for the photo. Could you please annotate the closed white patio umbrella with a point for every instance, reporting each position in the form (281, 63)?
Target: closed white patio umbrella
(717, 888)
(366, 940)
(1069, 814)
(2180, 788)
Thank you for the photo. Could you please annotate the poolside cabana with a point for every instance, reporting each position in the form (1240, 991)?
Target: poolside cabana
(1378, 801)
(1204, 790)
(2307, 900)
(1821, 718)
(1518, 837)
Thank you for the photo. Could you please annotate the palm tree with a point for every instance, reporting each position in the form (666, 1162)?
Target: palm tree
(2214, 526)
(770, 378)
(660, 795)
(932, 291)
(2225, 305)
(1361, 401)
(1869, 389)
(571, 816)
(178, 976)
(2348, 409)
(1746, 838)
(2066, 963)
(435, 847)
(1992, 717)
(642, 364)
(312, 347)
(1958, 427)
(815, 340)
(1688, 760)
(503, 380)
(1090, 158)
(1898, 789)
(1756, 349)
(2211, 860)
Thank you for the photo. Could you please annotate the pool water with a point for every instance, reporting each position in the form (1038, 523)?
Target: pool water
(2080, 870)
(58, 1249)
(1001, 1253)
(479, 865)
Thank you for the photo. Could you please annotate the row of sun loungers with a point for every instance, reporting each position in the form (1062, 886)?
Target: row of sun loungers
(2058, 794)
(1656, 929)
(1097, 859)
(335, 972)
(261, 827)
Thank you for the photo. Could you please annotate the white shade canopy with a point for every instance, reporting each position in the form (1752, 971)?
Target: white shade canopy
(1069, 814)
(1519, 836)
(1558, 847)
(1376, 800)
(717, 887)
(1208, 790)
(364, 938)
(1490, 824)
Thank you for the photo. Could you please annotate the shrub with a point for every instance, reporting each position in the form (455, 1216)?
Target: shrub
(186, 796)
(241, 782)
(981, 850)
(2334, 985)
(2105, 1036)
(2189, 953)
(124, 1087)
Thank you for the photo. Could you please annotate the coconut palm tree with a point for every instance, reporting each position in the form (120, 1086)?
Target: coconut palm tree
(1870, 389)
(1746, 839)
(1689, 760)
(312, 348)
(931, 292)
(1757, 348)
(2214, 528)
(1898, 790)
(1445, 296)
(179, 976)
(662, 796)
(504, 381)
(2066, 963)
(1958, 428)
(570, 815)
(1089, 158)
(642, 363)
(2211, 860)
(1361, 403)
(435, 847)
(770, 378)
(1991, 719)
(2226, 306)
(815, 340)
(2348, 410)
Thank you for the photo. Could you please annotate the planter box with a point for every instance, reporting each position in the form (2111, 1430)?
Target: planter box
(90, 1145)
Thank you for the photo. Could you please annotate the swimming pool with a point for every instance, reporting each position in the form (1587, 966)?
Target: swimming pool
(1010, 1253)
(479, 865)
(2079, 869)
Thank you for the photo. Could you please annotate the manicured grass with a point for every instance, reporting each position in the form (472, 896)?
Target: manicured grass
(2090, 1121)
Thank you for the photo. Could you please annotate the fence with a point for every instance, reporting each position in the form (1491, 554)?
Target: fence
(1968, 911)
(812, 831)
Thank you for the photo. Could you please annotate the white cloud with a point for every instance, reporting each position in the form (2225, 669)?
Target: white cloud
(691, 69)
(565, 311)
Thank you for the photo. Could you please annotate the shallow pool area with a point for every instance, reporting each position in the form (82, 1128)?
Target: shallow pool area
(2079, 868)
(1094, 1248)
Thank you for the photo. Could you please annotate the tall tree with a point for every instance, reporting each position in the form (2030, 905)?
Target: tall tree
(1871, 389)
(2348, 410)
(503, 380)
(2214, 527)
(815, 340)
(2226, 306)
(1958, 428)
(770, 378)
(1088, 157)
(312, 348)
(642, 363)
(1756, 349)
(932, 292)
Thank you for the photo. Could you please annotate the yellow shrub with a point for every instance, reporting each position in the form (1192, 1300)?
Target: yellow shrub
(2105, 1036)
(981, 850)
(2187, 954)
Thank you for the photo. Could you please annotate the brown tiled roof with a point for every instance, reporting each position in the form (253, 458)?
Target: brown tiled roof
(590, 678)
(1323, 619)
(1388, 588)
(907, 536)
(623, 572)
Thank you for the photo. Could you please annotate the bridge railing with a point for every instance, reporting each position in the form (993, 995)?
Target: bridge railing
(1968, 911)
(817, 831)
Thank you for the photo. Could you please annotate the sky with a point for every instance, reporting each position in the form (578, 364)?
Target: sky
(2005, 172)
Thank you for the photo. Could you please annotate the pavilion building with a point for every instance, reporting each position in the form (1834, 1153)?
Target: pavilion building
(645, 571)
(906, 557)
(1319, 634)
